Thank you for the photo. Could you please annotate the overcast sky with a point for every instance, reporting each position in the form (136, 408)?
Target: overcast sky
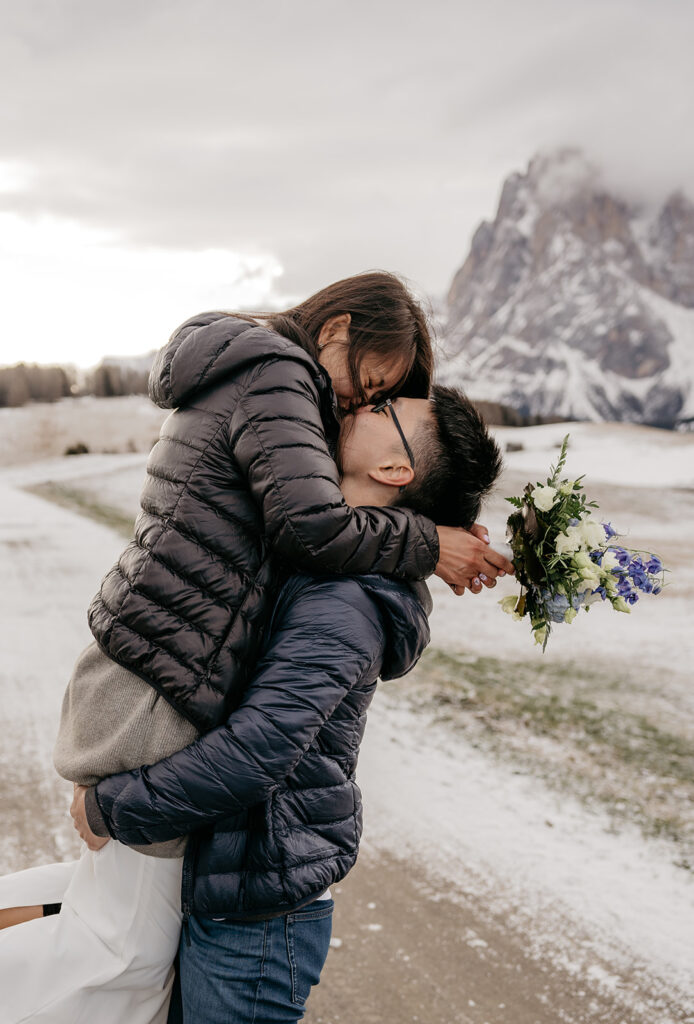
(158, 157)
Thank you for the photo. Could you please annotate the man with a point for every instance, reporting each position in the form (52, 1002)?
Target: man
(270, 796)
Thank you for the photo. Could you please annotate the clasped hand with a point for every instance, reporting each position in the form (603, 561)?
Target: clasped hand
(466, 561)
(79, 816)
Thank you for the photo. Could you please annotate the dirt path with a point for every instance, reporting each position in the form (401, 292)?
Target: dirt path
(415, 944)
(406, 952)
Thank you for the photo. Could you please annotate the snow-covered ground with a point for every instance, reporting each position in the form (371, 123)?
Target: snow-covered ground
(38, 430)
(51, 562)
(602, 902)
(614, 453)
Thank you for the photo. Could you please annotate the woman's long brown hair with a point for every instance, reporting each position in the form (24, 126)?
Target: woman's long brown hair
(386, 320)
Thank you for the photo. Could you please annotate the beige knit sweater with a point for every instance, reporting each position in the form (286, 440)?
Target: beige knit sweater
(112, 721)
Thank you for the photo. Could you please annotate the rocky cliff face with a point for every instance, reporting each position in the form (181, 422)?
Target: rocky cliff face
(575, 303)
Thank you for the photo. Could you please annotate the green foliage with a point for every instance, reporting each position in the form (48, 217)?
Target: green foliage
(556, 470)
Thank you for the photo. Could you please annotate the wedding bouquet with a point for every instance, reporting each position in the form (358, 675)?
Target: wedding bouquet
(565, 559)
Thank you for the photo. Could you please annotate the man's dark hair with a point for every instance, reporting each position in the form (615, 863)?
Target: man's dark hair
(456, 462)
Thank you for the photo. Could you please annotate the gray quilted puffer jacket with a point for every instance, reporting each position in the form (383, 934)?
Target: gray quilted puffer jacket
(240, 483)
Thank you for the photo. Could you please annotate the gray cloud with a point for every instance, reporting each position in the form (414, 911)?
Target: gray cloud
(335, 137)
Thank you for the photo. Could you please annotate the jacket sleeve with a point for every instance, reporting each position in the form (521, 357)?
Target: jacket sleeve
(278, 439)
(323, 643)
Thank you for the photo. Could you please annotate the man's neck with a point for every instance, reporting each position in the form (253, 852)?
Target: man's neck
(365, 491)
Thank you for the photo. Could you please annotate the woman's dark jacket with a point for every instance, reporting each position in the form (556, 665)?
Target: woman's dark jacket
(272, 791)
(240, 480)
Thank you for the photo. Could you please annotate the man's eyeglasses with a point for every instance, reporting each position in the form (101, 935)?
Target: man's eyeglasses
(386, 403)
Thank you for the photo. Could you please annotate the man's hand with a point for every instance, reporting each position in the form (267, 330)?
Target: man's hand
(467, 561)
(80, 820)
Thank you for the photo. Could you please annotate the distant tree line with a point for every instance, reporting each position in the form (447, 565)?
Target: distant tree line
(110, 379)
(29, 382)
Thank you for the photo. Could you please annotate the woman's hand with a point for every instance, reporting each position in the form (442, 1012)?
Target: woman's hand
(467, 561)
(80, 820)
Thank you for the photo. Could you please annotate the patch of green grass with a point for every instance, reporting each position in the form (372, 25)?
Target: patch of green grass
(572, 726)
(84, 504)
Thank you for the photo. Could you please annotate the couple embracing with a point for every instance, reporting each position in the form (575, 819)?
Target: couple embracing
(307, 481)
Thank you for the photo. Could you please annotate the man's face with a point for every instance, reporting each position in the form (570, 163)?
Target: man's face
(370, 440)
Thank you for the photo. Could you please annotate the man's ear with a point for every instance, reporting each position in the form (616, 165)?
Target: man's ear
(394, 474)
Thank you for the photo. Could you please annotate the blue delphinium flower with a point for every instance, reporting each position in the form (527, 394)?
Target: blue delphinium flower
(596, 556)
(631, 598)
(622, 556)
(654, 565)
(609, 531)
(639, 575)
(601, 591)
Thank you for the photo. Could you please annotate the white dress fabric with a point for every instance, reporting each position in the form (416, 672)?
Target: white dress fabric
(107, 957)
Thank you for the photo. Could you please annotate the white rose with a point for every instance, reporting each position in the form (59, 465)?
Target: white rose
(566, 487)
(568, 542)
(593, 533)
(544, 497)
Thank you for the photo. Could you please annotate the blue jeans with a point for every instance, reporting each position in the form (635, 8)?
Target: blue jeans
(258, 972)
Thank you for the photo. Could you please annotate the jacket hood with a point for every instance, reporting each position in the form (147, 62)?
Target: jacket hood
(405, 609)
(211, 346)
(404, 605)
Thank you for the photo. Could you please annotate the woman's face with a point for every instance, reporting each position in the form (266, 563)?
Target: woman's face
(379, 375)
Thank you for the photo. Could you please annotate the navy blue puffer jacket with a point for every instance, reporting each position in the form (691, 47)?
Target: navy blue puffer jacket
(271, 795)
(241, 477)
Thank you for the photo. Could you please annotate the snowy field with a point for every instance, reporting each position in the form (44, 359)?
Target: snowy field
(39, 430)
(463, 793)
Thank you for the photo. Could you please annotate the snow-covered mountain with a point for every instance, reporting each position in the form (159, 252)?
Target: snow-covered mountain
(575, 302)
